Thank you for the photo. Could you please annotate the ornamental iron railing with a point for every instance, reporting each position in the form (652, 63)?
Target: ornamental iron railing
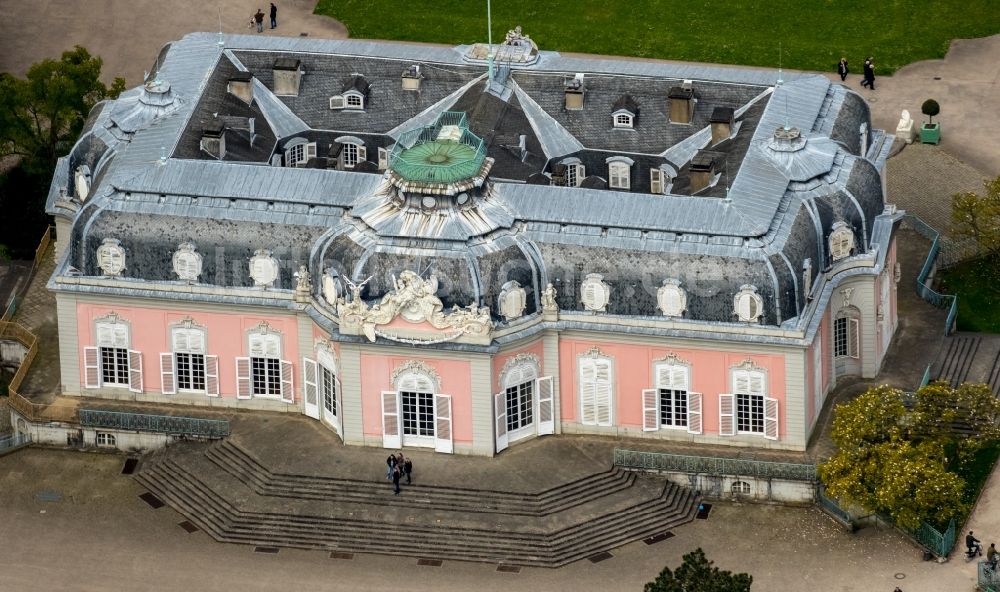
(938, 543)
(658, 461)
(831, 506)
(423, 155)
(160, 424)
(948, 301)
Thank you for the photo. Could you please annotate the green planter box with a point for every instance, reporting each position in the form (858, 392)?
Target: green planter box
(930, 133)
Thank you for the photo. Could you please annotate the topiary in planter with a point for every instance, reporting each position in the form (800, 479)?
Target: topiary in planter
(930, 108)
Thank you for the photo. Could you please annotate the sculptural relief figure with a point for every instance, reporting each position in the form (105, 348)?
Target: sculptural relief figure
(331, 291)
(512, 300)
(549, 299)
(303, 281)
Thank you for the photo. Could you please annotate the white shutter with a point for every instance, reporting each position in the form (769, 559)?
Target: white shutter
(105, 335)
(180, 340)
(655, 181)
(121, 335)
(854, 338)
(212, 376)
(287, 387)
(756, 383)
(196, 341)
(727, 419)
(390, 420)
(362, 154)
(546, 423)
(588, 392)
(581, 172)
(167, 383)
(383, 159)
(650, 410)
(134, 371)
(679, 377)
(663, 376)
(337, 102)
(603, 393)
(91, 368)
(310, 150)
(443, 440)
(741, 381)
(500, 418)
(770, 418)
(694, 413)
(340, 407)
(244, 386)
(310, 387)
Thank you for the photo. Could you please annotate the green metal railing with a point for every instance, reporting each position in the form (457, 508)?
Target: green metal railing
(13, 441)
(658, 461)
(419, 155)
(160, 424)
(831, 506)
(948, 301)
(938, 543)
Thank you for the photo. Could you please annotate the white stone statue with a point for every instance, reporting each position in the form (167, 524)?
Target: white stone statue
(549, 299)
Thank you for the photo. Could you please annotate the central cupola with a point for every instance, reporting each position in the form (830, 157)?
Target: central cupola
(443, 158)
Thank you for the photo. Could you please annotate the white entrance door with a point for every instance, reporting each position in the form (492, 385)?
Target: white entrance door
(418, 419)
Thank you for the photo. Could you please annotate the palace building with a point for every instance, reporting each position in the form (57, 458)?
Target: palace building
(462, 248)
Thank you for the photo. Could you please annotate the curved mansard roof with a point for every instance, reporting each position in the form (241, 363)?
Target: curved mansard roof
(769, 208)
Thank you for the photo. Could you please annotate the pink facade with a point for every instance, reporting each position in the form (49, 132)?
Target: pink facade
(633, 372)
(536, 349)
(456, 380)
(226, 336)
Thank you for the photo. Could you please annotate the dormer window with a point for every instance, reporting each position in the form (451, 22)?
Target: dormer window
(352, 151)
(354, 101)
(298, 152)
(353, 96)
(841, 241)
(569, 172)
(619, 172)
(624, 112)
(623, 120)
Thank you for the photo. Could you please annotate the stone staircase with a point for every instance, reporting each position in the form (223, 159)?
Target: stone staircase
(957, 357)
(234, 498)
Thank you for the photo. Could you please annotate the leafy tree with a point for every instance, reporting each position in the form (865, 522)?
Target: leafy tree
(698, 574)
(42, 114)
(895, 458)
(978, 217)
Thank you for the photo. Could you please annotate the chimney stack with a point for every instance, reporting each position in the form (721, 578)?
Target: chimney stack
(722, 124)
(412, 77)
(213, 139)
(287, 76)
(681, 102)
(241, 85)
(702, 170)
(574, 93)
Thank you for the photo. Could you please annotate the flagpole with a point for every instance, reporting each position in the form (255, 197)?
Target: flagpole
(489, 39)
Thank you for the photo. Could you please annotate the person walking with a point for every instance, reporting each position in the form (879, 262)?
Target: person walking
(258, 18)
(842, 69)
(992, 555)
(868, 78)
(391, 464)
(274, 16)
(396, 474)
(407, 469)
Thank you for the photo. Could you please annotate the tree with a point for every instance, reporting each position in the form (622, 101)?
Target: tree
(978, 217)
(930, 108)
(894, 455)
(42, 114)
(698, 574)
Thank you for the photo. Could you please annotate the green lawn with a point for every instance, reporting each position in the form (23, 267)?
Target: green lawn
(974, 282)
(813, 33)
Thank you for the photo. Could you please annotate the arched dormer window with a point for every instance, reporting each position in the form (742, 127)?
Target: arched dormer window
(619, 172)
(847, 333)
(352, 151)
(298, 151)
(841, 241)
(574, 171)
(623, 119)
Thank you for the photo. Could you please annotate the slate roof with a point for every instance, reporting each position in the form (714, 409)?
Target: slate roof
(768, 212)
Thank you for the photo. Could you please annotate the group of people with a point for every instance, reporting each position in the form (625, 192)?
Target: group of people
(258, 19)
(973, 548)
(867, 75)
(397, 467)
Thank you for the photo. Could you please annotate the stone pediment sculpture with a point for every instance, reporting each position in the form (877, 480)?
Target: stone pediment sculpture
(596, 293)
(414, 299)
(549, 303)
(671, 299)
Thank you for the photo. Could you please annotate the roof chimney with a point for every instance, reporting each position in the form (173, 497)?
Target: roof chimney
(213, 139)
(412, 78)
(702, 170)
(241, 85)
(574, 93)
(681, 102)
(287, 76)
(722, 124)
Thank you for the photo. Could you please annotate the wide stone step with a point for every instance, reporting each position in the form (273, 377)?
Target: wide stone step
(232, 510)
(240, 464)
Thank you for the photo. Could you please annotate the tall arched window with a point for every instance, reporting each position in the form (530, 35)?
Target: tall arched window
(188, 367)
(111, 362)
(518, 383)
(847, 333)
(264, 373)
(596, 388)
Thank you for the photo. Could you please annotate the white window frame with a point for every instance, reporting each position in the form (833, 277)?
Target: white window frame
(519, 381)
(619, 175)
(622, 120)
(264, 366)
(846, 336)
(298, 154)
(673, 378)
(354, 100)
(589, 374)
(112, 339)
(105, 440)
(575, 172)
(190, 341)
(350, 155)
(749, 392)
(337, 102)
(420, 383)
(383, 159)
